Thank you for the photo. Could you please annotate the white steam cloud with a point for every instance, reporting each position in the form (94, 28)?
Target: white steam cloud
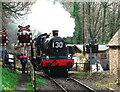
(47, 16)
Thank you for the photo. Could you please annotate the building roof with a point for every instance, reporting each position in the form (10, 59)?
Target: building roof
(101, 47)
(115, 41)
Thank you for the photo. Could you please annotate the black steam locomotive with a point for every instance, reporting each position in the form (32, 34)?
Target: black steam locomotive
(51, 53)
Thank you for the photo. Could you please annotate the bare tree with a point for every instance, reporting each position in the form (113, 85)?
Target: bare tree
(11, 11)
(102, 20)
(15, 10)
(93, 19)
(114, 19)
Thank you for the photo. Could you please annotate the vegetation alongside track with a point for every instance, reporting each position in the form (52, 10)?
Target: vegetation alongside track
(29, 84)
(38, 81)
(9, 79)
(100, 80)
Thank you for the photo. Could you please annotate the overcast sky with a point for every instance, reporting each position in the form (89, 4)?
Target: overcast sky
(47, 16)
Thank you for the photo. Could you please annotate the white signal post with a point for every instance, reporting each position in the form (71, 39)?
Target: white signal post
(3, 34)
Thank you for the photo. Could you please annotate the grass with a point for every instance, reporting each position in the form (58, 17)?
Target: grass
(80, 74)
(39, 81)
(0, 62)
(108, 83)
(29, 86)
(9, 79)
(0, 79)
(101, 80)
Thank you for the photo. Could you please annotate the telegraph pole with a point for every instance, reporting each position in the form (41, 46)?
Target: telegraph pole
(83, 31)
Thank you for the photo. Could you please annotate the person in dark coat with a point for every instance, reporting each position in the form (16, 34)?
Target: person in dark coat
(23, 59)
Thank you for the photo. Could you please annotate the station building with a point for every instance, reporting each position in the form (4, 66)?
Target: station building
(114, 55)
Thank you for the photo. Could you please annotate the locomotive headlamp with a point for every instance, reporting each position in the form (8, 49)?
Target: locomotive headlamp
(55, 32)
(47, 57)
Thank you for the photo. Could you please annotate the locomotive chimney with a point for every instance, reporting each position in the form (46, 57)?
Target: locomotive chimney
(55, 32)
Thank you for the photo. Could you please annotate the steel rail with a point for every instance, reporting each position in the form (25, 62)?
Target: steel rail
(69, 78)
(91, 89)
(58, 84)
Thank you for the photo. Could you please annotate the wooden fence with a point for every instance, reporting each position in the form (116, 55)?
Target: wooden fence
(82, 67)
(85, 67)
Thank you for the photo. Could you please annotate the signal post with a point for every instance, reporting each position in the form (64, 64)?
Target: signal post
(92, 48)
(3, 43)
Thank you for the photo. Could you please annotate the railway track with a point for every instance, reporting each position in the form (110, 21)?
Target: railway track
(51, 85)
(87, 87)
(69, 84)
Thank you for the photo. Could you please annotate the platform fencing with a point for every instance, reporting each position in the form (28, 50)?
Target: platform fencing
(31, 72)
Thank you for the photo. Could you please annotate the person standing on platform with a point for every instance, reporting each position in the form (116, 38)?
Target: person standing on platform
(23, 60)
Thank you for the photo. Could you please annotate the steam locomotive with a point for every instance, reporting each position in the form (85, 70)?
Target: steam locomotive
(51, 53)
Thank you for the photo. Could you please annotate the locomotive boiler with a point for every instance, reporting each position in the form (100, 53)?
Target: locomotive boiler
(51, 53)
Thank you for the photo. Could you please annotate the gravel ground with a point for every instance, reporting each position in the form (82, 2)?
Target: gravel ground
(22, 81)
(70, 85)
(66, 83)
(48, 86)
(99, 80)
